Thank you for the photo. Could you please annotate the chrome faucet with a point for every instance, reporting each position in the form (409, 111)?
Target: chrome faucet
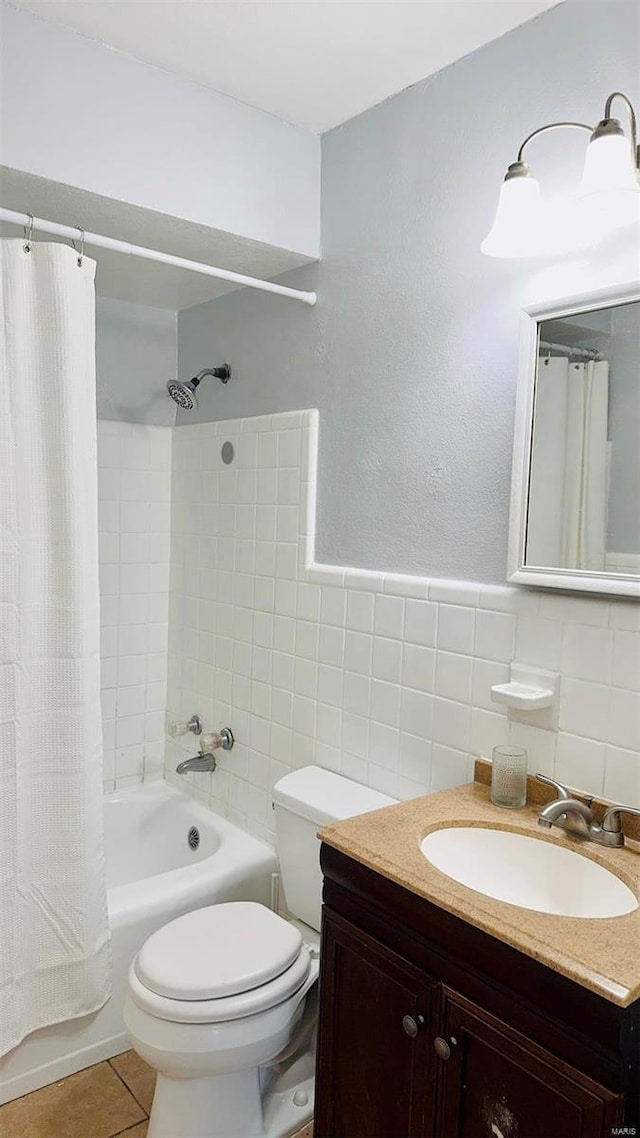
(197, 763)
(576, 817)
(210, 742)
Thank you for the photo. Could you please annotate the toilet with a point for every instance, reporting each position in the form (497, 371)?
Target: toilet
(222, 1001)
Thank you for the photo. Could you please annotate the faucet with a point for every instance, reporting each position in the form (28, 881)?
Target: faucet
(576, 817)
(210, 742)
(197, 763)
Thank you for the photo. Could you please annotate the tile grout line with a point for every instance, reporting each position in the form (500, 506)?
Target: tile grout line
(133, 1096)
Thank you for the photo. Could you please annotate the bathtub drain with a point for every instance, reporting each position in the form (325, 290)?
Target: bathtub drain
(193, 838)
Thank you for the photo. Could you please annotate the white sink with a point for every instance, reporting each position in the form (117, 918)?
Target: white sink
(527, 872)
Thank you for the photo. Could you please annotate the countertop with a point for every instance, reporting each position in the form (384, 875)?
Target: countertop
(602, 954)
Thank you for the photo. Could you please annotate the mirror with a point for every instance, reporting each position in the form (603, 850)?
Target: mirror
(575, 505)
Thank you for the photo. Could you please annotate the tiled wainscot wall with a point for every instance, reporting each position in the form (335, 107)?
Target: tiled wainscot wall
(382, 677)
(134, 510)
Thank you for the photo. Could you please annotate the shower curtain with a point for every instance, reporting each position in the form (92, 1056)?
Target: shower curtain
(54, 936)
(569, 483)
(586, 482)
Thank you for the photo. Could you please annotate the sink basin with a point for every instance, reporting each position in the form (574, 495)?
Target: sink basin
(527, 872)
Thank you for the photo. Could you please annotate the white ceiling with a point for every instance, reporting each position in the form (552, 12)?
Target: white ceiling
(316, 63)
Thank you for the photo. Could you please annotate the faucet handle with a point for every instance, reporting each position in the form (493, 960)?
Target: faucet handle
(560, 790)
(212, 740)
(182, 726)
(611, 822)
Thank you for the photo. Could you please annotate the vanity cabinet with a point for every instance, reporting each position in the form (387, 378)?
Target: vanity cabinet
(497, 1082)
(375, 1009)
(429, 1026)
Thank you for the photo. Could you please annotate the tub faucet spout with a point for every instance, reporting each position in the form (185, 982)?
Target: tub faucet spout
(197, 763)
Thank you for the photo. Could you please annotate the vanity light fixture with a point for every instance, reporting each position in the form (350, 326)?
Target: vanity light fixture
(608, 197)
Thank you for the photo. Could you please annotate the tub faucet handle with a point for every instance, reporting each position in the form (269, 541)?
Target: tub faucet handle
(215, 739)
(182, 726)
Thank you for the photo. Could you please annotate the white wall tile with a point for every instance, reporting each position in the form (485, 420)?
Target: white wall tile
(586, 652)
(585, 709)
(455, 628)
(134, 507)
(418, 667)
(387, 659)
(538, 642)
(358, 653)
(420, 622)
(389, 616)
(622, 777)
(359, 611)
(334, 606)
(624, 728)
(453, 676)
(626, 660)
(494, 636)
(580, 763)
(383, 677)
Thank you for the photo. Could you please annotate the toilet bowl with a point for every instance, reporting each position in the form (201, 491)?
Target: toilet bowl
(221, 1001)
(213, 997)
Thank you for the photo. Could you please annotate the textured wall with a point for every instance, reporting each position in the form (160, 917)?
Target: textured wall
(136, 353)
(411, 353)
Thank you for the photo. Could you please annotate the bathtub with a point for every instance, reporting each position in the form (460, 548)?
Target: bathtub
(165, 854)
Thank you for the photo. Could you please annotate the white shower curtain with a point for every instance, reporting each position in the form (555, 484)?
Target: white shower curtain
(586, 479)
(54, 937)
(568, 485)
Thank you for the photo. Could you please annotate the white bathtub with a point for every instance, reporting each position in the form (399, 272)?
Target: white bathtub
(152, 876)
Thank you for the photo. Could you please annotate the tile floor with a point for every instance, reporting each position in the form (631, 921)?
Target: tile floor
(109, 1099)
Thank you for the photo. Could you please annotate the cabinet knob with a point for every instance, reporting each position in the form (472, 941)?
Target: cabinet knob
(442, 1049)
(410, 1026)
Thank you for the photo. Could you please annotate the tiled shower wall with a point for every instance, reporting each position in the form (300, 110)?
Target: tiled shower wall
(382, 677)
(134, 511)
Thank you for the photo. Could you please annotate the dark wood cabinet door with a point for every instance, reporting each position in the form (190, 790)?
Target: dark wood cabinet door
(497, 1084)
(375, 1076)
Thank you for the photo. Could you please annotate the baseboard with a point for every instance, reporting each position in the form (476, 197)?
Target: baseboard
(48, 1073)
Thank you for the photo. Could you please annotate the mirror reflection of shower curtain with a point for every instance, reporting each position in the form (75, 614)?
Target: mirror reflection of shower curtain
(584, 529)
(54, 935)
(568, 485)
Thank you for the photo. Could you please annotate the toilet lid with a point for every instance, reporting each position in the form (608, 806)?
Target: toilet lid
(218, 951)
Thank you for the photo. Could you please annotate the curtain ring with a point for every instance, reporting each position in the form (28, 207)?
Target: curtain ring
(547, 357)
(81, 254)
(28, 234)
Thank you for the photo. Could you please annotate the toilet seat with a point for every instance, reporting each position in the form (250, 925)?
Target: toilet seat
(219, 951)
(221, 963)
(226, 1008)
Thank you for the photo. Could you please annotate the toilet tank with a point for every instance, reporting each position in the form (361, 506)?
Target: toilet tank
(304, 801)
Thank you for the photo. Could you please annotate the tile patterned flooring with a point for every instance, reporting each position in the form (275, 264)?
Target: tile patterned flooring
(109, 1099)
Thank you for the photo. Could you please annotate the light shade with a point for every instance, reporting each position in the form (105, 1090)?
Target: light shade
(608, 166)
(517, 226)
(610, 192)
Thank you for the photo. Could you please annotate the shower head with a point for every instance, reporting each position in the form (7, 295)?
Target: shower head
(184, 394)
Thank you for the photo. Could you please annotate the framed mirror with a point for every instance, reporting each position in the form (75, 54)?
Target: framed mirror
(575, 491)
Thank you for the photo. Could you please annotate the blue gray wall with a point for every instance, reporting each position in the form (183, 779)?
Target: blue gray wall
(136, 353)
(411, 353)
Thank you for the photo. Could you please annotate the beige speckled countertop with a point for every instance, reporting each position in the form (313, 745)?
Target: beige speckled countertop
(602, 954)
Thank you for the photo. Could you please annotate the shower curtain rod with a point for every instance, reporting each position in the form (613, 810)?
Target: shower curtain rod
(567, 350)
(76, 233)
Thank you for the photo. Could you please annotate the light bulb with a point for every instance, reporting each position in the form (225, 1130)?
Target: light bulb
(517, 226)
